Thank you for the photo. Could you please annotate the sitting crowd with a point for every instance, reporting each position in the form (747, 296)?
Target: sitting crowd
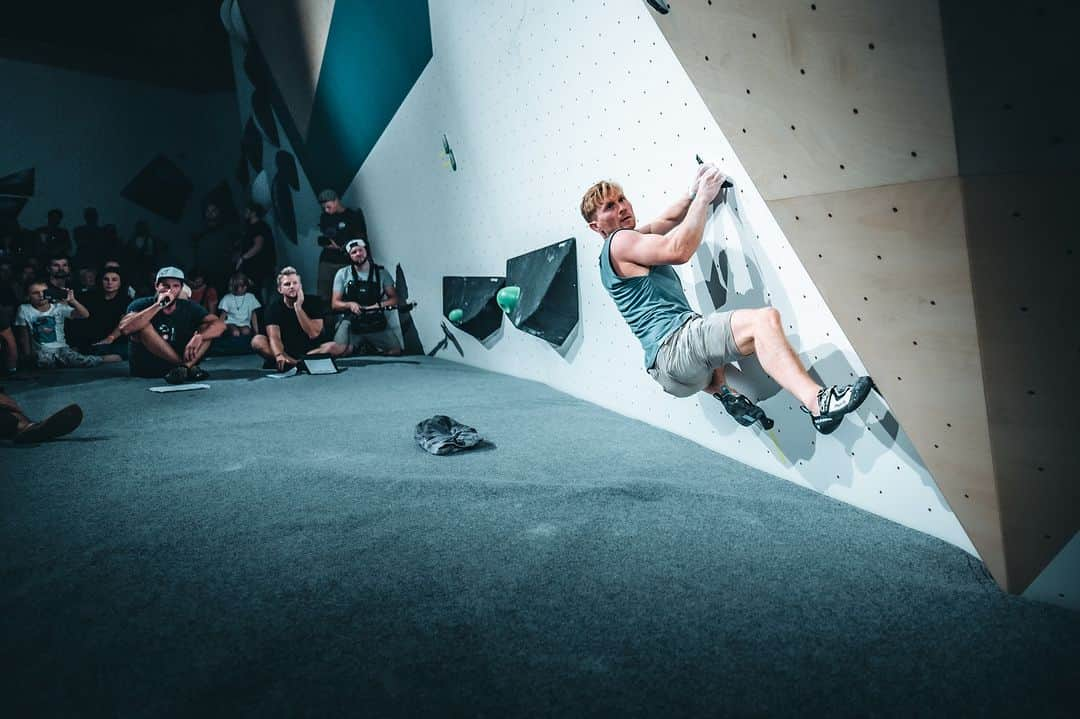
(165, 327)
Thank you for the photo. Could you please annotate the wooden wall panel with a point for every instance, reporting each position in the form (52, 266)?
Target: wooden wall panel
(863, 84)
(1023, 244)
(892, 264)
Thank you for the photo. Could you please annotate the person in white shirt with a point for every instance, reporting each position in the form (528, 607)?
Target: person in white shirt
(238, 307)
(40, 328)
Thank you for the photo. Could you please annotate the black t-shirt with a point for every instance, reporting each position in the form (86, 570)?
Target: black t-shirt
(342, 227)
(176, 328)
(105, 315)
(293, 337)
(262, 264)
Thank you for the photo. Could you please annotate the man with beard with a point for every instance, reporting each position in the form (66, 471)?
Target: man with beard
(363, 290)
(294, 323)
(59, 269)
(169, 335)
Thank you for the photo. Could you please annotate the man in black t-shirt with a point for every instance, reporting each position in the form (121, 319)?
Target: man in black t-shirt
(258, 255)
(294, 325)
(337, 224)
(168, 335)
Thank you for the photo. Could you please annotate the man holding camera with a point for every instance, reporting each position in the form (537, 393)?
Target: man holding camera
(169, 335)
(364, 291)
(294, 324)
(40, 328)
(337, 224)
(59, 269)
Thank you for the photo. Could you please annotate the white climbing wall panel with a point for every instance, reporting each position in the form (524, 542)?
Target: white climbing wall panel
(538, 101)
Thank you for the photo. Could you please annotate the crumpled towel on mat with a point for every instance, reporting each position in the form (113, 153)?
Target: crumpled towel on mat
(442, 435)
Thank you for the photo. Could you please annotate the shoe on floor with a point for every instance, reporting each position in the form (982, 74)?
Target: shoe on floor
(177, 375)
(742, 409)
(197, 374)
(56, 425)
(836, 401)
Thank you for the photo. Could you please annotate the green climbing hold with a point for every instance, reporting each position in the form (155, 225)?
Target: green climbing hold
(456, 316)
(508, 298)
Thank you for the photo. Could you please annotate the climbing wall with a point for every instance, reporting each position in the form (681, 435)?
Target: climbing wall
(526, 104)
(923, 230)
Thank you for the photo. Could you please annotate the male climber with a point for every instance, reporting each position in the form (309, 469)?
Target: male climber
(685, 352)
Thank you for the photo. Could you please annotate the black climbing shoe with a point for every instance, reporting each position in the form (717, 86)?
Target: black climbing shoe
(197, 374)
(836, 401)
(743, 410)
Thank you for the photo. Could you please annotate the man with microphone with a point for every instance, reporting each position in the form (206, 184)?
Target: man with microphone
(169, 336)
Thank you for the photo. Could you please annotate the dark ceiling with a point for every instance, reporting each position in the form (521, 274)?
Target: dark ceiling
(170, 43)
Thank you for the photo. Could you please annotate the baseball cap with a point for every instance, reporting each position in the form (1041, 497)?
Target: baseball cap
(327, 196)
(353, 243)
(169, 273)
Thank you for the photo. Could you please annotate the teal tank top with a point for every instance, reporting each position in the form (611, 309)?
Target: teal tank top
(654, 305)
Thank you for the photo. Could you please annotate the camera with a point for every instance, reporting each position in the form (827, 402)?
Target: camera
(55, 295)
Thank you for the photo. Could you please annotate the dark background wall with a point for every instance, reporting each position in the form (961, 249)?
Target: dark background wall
(87, 136)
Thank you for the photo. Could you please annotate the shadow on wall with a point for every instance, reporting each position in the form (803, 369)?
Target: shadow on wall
(734, 281)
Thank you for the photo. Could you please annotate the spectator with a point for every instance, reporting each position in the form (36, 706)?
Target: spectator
(53, 239)
(294, 324)
(87, 280)
(364, 290)
(145, 249)
(338, 225)
(168, 335)
(27, 273)
(100, 334)
(59, 277)
(9, 297)
(89, 240)
(203, 294)
(238, 308)
(257, 253)
(114, 264)
(40, 324)
(214, 248)
(10, 348)
(16, 426)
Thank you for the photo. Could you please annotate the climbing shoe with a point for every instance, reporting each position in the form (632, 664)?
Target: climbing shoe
(836, 401)
(743, 410)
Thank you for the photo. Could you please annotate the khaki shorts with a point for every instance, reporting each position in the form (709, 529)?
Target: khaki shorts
(689, 355)
(384, 340)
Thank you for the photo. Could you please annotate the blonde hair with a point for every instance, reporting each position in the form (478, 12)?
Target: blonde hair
(594, 197)
(288, 270)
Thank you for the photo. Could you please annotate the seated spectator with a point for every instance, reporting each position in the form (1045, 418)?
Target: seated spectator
(10, 362)
(87, 280)
(9, 298)
(100, 333)
(169, 335)
(16, 426)
(238, 307)
(363, 290)
(114, 264)
(59, 269)
(203, 294)
(294, 323)
(41, 338)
